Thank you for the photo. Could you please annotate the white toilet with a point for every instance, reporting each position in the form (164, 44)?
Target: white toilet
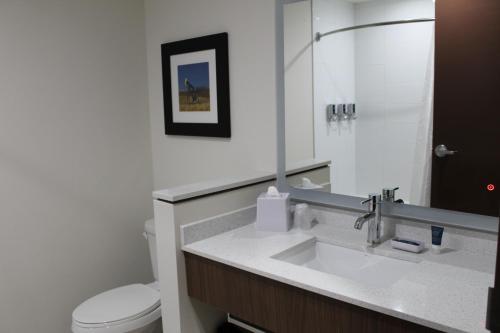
(130, 309)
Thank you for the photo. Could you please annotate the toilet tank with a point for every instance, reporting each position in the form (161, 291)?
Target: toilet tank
(150, 234)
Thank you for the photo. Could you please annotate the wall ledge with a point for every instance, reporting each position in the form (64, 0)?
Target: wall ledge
(196, 190)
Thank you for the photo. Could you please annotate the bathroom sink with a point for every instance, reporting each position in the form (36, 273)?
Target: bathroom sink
(367, 268)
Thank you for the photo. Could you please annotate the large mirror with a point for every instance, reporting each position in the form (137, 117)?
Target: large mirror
(360, 92)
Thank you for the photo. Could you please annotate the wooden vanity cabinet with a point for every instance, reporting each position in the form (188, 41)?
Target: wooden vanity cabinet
(281, 308)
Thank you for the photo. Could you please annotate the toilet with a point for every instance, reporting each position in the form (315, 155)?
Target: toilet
(129, 309)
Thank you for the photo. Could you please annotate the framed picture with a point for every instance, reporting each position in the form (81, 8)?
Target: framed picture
(196, 86)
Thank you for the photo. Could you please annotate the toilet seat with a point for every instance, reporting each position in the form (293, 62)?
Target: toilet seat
(118, 310)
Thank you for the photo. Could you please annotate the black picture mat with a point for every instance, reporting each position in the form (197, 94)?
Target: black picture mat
(219, 42)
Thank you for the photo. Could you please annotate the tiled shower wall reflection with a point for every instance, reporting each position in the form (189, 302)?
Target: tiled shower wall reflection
(388, 73)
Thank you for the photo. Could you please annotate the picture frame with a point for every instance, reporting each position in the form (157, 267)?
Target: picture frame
(196, 86)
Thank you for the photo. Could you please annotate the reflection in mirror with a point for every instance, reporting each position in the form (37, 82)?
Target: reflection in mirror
(362, 98)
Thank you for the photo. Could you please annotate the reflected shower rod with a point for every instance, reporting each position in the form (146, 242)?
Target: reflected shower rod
(379, 24)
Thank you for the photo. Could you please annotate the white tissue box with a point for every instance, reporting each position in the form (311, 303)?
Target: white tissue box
(273, 212)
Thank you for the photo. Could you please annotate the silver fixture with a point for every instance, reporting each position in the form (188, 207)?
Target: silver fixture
(332, 113)
(373, 217)
(337, 112)
(345, 116)
(379, 24)
(341, 111)
(351, 111)
(442, 151)
(389, 194)
(245, 326)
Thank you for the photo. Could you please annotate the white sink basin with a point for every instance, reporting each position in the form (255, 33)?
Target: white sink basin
(367, 268)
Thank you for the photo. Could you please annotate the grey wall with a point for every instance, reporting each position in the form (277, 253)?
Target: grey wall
(75, 157)
(298, 47)
(181, 160)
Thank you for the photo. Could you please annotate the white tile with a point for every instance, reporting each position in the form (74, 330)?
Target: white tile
(408, 9)
(406, 93)
(370, 82)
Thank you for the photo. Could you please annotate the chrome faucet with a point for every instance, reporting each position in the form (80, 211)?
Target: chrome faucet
(373, 217)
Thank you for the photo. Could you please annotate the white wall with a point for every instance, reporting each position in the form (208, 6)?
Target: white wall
(180, 160)
(298, 82)
(334, 83)
(75, 157)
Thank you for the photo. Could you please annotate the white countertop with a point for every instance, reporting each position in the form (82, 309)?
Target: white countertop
(438, 295)
(188, 191)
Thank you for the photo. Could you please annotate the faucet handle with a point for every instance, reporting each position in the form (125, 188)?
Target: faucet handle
(366, 201)
(389, 194)
(373, 200)
(371, 197)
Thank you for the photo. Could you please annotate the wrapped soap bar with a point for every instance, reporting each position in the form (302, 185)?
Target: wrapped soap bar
(273, 211)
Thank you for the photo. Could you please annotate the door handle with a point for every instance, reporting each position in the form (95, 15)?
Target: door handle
(442, 151)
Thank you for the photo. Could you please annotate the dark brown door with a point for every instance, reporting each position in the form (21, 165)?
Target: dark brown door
(467, 106)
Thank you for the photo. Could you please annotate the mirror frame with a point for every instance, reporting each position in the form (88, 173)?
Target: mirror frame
(403, 211)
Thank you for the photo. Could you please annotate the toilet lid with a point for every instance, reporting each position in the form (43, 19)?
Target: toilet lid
(117, 305)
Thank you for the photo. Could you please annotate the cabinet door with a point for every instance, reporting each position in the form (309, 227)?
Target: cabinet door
(276, 307)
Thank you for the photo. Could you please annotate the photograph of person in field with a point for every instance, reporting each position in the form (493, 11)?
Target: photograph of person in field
(194, 87)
